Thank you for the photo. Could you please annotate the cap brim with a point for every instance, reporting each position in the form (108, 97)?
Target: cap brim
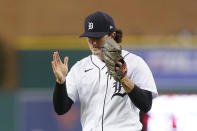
(94, 34)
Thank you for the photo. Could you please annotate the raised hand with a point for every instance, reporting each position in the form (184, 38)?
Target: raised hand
(59, 69)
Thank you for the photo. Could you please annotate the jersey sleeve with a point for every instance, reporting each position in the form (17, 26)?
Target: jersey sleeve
(143, 78)
(72, 83)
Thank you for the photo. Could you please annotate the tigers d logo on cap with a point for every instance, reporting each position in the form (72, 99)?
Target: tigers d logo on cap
(90, 26)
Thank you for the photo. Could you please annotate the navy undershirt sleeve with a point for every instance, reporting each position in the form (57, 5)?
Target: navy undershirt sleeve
(142, 99)
(61, 101)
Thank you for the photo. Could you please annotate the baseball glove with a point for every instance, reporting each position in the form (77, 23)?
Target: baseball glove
(113, 59)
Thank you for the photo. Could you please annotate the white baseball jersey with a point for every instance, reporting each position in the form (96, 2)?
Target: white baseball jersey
(105, 106)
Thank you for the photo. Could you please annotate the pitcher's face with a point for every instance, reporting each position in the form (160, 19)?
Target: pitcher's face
(95, 45)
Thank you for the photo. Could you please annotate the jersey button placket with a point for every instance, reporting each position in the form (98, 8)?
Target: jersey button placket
(104, 86)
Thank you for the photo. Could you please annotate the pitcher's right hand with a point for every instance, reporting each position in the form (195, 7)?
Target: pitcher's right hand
(59, 69)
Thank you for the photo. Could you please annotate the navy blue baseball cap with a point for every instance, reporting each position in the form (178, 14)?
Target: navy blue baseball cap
(97, 25)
